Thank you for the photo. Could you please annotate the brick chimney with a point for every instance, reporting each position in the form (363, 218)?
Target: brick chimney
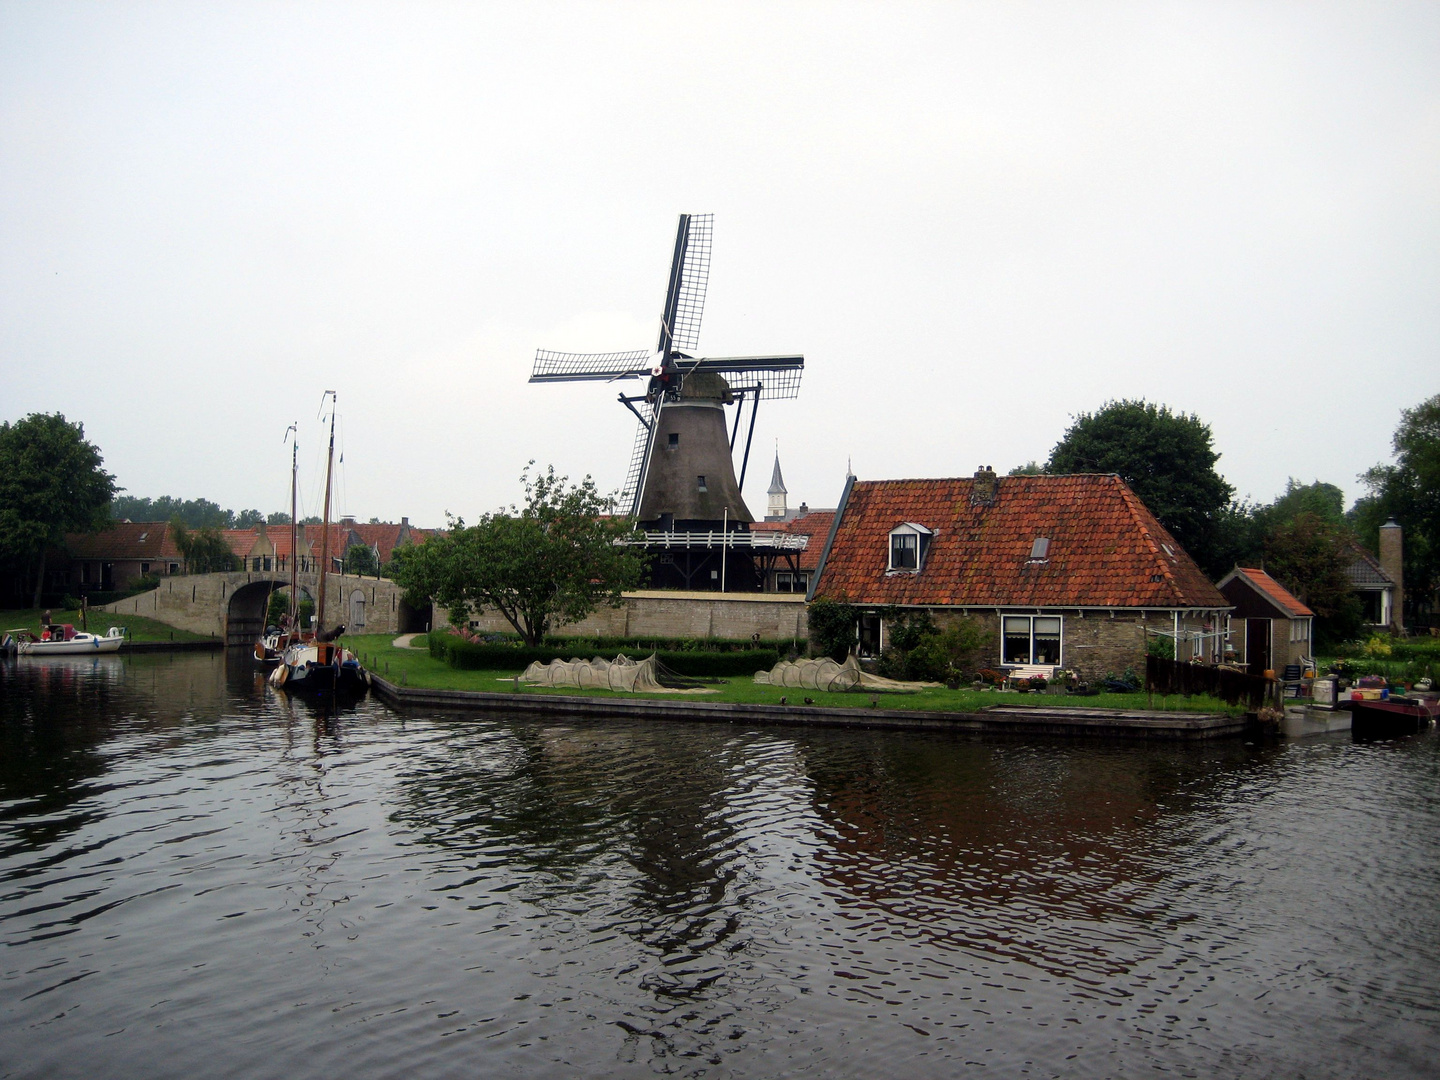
(1392, 561)
(982, 493)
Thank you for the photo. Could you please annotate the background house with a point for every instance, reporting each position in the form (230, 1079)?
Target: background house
(1270, 627)
(1061, 571)
(1374, 586)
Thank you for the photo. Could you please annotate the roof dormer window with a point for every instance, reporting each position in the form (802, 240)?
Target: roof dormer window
(908, 544)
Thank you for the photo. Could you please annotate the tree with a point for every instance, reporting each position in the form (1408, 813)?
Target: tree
(1409, 491)
(248, 519)
(1168, 461)
(204, 550)
(552, 561)
(51, 483)
(195, 513)
(1310, 555)
(361, 561)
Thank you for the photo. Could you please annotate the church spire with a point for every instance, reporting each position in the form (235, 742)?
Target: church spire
(776, 510)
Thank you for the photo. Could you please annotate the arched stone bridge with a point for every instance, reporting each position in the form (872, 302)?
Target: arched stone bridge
(231, 605)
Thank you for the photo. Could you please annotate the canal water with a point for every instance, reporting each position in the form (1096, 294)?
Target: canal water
(201, 877)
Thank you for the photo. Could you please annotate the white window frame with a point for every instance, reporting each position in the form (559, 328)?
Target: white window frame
(1059, 661)
(922, 537)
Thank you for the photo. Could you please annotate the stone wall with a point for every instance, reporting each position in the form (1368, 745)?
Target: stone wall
(215, 604)
(677, 615)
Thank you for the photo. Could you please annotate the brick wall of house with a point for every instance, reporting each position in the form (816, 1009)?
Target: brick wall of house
(1092, 646)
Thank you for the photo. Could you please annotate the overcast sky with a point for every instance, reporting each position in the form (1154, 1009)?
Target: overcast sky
(975, 221)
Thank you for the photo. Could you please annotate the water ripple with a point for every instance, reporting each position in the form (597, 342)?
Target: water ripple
(183, 851)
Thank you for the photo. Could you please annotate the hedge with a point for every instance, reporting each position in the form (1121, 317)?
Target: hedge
(468, 656)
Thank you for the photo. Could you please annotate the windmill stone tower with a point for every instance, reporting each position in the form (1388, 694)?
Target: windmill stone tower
(681, 487)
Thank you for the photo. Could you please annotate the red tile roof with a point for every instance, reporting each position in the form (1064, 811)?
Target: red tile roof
(1106, 548)
(815, 525)
(144, 540)
(1272, 590)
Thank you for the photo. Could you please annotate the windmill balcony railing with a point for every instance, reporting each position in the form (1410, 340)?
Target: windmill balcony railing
(715, 538)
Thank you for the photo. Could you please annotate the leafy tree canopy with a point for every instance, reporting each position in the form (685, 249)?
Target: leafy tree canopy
(204, 550)
(194, 513)
(1309, 555)
(1324, 501)
(51, 483)
(549, 562)
(1165, 457)
(1409, 491)
(360, 559)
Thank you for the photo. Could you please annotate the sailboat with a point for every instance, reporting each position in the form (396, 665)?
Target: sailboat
(317, 663)
(274, 640)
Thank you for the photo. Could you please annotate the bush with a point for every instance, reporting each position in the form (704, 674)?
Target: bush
(919, 651)
(1160, 645)
(833, 625)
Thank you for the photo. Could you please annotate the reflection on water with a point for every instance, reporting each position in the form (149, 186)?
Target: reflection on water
(199, 875)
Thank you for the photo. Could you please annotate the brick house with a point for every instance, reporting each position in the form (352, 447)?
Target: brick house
(1060, 571)
(112, 559)
(1272, 628)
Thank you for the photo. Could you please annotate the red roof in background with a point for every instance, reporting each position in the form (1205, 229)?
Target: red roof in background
(152, 540)
(142, 540)
(815, 525)
(1106, 548)
(1272, 590)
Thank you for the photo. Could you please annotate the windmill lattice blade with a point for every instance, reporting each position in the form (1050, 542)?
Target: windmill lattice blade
(779, 376)
(551, 366)
(630, 493)
(689, 303)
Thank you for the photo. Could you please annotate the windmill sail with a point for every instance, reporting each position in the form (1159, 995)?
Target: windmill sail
(639, 457)
(552, 366)
(685, 294)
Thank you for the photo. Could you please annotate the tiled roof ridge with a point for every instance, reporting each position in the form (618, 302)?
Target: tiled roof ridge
(1261, 576)
(1143, 519)
(1364, 554)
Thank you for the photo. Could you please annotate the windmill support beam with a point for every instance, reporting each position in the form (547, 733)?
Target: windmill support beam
(627, 402)
(745, 463)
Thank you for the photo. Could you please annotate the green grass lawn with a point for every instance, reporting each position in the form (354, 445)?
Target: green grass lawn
(415, 668)
(138, 627)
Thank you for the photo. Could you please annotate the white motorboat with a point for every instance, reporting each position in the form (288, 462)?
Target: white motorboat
(65, 640)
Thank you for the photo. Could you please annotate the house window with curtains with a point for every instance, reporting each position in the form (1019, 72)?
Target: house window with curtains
(1031, 639)
(908, 545)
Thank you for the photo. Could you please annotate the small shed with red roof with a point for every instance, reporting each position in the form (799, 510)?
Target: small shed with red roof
(1060, 571)
(1277, 628)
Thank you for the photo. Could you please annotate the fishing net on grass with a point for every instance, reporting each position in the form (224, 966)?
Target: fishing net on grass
(820, 674)
(825, 674)
(646, 676)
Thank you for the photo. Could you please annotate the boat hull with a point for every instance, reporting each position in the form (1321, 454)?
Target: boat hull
(79, 645)
(318, 669)
(1392, 719)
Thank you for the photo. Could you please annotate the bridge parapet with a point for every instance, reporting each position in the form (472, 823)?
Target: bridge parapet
(231, 604)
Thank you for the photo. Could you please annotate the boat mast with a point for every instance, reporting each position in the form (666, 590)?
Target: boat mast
(294, 527)
(325, 521)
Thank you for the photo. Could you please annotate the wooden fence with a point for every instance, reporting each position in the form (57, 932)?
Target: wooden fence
(1232, 687)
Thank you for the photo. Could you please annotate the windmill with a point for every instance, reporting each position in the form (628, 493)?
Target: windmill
(682, 470)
